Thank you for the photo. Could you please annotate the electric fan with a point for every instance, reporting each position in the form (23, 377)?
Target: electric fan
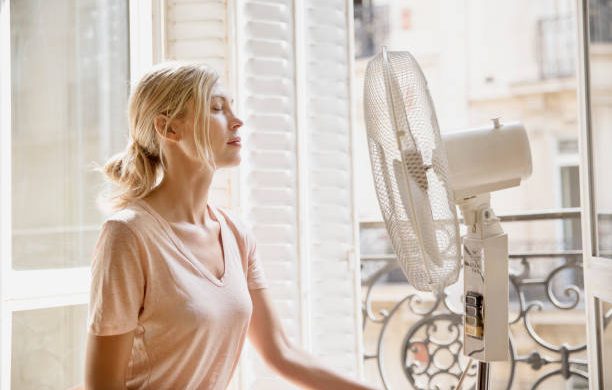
(420, 178)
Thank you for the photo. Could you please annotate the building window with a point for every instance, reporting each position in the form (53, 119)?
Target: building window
(569, 181)
(557, 43)
(371, 27)
(600, 20)
(570, 197)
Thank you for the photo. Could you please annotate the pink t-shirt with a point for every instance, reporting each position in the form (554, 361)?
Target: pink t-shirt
(189, 326)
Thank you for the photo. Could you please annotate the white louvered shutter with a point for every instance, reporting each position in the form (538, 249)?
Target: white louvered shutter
(198, 31)
(266, 62)
(334, 287)
(293, 62)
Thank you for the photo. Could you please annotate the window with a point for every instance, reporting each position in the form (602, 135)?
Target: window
(600, 20)
(557, 43)
(65, 115)
(569, 191)
(570, 197)
(371, 27)
(65, 99)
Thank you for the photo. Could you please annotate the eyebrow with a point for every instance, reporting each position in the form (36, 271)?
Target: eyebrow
(224, 98)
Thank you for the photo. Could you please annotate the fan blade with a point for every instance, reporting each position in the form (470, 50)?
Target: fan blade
(415, 168)
(413, 194)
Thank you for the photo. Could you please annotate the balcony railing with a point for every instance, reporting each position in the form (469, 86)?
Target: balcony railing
(415, 339)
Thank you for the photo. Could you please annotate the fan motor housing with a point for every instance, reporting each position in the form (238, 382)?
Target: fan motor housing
(487, 159)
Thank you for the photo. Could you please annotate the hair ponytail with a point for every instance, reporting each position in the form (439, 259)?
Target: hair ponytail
(134, 172)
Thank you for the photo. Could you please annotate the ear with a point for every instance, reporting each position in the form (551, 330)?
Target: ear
(172, 131)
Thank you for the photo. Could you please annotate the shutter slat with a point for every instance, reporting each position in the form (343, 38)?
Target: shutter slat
(181, 11)
(201, 48)
(196, 30)
(276, 251)
(271, 178)
(267, 30)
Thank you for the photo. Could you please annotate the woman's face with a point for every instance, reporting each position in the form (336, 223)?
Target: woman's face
(224, 129)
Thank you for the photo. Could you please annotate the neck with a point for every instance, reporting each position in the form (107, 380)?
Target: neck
(182, 195)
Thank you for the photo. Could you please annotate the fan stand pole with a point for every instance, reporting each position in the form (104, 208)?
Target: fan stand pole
(483, 376)
(485, 247)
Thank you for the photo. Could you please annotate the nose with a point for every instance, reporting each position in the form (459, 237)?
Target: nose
(236, 123)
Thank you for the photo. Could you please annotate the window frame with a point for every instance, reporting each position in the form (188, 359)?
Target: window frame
(597, 269)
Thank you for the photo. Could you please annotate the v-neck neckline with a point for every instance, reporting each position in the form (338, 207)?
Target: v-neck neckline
(204, 271)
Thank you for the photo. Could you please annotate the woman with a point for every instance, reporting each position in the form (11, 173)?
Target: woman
(176, 284)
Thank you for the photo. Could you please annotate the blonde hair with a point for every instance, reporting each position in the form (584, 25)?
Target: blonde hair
(166, 89)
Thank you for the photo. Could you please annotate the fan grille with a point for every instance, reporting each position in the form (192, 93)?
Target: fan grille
(415, 201)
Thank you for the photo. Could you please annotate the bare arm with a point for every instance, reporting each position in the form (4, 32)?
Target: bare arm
(268, 337)
(106, 361)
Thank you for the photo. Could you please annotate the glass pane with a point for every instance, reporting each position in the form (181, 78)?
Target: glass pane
(606, 348)
(48, 348)
(570, 197)
(600, 57)
(69, 92)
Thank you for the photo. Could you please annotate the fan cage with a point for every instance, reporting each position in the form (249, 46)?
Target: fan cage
(402, 128)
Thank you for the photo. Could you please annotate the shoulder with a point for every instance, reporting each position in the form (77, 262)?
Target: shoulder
(117, 230)
(132, 217)
(122, 239)
(237, 225)
(128, 224)
(232, 218)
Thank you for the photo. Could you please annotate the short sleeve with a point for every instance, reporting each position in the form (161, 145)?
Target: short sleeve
(117, 281)
(256, 277)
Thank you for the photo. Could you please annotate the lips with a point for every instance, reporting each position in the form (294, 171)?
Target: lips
(235, 141)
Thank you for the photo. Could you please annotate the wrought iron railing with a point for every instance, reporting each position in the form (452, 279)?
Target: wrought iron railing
(424, 331)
